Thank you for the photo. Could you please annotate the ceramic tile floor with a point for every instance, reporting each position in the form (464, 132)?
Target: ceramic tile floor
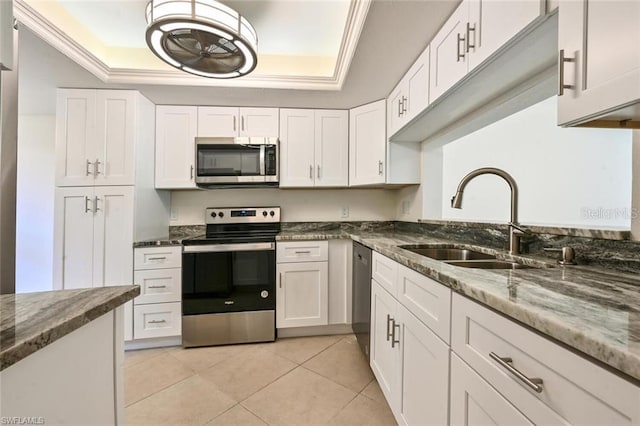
(303, 381)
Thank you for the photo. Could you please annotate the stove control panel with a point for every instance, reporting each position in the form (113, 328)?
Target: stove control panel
(225, 215)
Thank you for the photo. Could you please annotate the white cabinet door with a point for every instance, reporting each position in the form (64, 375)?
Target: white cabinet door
(417, 84)
(73, 238)
(302, 294)
(75, 141)
(297, 138)
(259, 122)
(493, 23)
(607, 74)
(448, 53)
(113, 236)
(115, 137)
(331, 148)
(385, 356)
(175, 146)
(217, 122)
(396, 107)
(475, 402)
(424, 380)
(157, 320)
(367, 144)
(128, 320)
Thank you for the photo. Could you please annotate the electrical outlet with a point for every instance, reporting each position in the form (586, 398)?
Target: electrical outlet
(406, 207)
(345, 212)
(174, 214)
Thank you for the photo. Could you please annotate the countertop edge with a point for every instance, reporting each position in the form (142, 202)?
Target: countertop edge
(36, 342)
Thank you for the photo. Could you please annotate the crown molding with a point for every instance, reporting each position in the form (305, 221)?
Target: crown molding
(42, 27)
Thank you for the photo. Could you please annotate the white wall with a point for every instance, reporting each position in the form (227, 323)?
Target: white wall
(298, 205)
(560, 172)
(34, 204)
(635, 217)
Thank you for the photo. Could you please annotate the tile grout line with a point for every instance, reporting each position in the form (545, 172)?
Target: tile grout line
(160, 390)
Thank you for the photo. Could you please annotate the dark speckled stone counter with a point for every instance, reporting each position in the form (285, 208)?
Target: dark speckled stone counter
(594, 311)
(31, 321)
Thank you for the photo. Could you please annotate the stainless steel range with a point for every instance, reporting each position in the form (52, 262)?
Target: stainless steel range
(229, 278)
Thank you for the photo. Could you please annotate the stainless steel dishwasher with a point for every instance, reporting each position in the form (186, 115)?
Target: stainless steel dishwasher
(361, 296)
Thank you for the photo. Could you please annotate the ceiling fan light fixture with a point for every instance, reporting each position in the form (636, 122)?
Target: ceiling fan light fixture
(201, 37)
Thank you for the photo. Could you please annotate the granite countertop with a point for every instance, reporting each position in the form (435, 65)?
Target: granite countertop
(594, 311)
(158, 243)
(31, 321)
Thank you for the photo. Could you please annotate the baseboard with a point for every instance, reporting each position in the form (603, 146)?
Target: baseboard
(159, 342)
(320, 330)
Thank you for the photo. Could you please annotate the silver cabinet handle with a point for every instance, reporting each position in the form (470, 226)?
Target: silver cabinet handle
(87, 209)
(157, 321)
(400, 107)
(460, 55)
(234, 123)
(505, 362)
(389, 319)
(157, 258)
(96, 167)
(242, 123)
(469, 30)
(95, 204)
(318, 171)
(89, 163)
(394, 342)
(157, 286)
(280, 280)
(561, 61)
(303, 252)
(404, 105)
(380, 171)
(310, 171)
(191, 173)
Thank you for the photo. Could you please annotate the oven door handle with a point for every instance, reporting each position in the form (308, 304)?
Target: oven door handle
(263, 169)
(216, 248)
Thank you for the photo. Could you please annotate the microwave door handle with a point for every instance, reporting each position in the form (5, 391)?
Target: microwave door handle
(263, 170)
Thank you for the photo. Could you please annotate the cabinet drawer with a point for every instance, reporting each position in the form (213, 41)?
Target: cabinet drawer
(302, 251)
(158, 285)
(157, 320)
(427, 299)
(157, 257)
(385, 272)
(574, 390)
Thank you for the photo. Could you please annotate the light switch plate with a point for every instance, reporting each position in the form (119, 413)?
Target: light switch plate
(345, 212)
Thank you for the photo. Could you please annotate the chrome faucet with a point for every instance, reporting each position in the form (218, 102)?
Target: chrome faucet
(515, 230)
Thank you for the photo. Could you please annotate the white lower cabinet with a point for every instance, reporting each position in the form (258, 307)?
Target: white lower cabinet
(409, 361)
(572, 390)
(157, 310)
(475, 402)
(302, 294)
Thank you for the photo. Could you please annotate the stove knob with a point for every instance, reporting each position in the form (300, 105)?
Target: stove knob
(264, 213)
(220, 214)
(213, 215)
(264, 294)
(272, 213)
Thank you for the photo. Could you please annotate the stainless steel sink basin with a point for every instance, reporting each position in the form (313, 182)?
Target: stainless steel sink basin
(447, 253)
(489, 264)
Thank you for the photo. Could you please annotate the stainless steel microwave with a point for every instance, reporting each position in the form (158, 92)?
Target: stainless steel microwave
(247, 161)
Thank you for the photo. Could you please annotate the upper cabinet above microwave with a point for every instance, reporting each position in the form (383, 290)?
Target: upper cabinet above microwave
(232, 121)
(599, 63)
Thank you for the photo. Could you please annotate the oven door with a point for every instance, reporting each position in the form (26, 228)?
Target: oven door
(228, 278)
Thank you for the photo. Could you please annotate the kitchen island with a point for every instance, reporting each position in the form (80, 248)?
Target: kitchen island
(61, 355)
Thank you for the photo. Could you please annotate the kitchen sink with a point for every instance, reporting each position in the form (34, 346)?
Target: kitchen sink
(447, 253)
(464, 258)
(489, 264)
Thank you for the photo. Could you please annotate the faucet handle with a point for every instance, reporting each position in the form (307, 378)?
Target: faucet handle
(568, 254)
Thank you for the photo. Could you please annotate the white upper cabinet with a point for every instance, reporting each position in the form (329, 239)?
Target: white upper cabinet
(474, 32)
(175, 146)
(233, 121)
(373, 161)
(313, 148)
(367, 144)
(95, 137)
(600, 74)
(411, 95)
(217, 121)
